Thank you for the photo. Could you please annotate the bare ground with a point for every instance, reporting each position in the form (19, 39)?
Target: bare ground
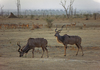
(10, 60)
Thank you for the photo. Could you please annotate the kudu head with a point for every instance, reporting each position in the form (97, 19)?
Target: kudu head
(21, 53)
(57, 32)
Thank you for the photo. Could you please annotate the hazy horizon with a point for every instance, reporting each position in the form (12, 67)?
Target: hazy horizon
(93, 5)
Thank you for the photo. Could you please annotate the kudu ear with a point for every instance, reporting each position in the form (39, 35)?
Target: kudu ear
(18, 43)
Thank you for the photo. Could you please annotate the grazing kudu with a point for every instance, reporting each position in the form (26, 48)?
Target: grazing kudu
(66, 39)
(31, 44)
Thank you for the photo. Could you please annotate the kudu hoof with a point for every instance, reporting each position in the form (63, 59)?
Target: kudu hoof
(64, 55)
(82, 54)
(76, 54)
(41, 56)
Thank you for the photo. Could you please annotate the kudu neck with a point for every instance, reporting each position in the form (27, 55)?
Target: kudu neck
(26, 48)
(59, 38)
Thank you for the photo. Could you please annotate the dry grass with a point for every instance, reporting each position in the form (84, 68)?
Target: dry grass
(0, 55)
(9, 59)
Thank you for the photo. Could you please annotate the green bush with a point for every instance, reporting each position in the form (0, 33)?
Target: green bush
(49, 22)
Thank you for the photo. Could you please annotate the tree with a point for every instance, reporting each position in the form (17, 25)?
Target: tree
(71, 8)
(18, 7)
(1, 7)
(68, 7)
(95, 16)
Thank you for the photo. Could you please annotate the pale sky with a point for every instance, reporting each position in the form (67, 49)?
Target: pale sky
(50, 4)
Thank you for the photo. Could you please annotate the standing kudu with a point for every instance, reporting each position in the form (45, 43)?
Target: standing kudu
(66, 39)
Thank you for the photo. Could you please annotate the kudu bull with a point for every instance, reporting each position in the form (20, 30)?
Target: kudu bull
(31, 44)
(66, 39)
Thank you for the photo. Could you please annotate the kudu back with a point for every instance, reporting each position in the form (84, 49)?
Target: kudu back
(31, 44)
(66, 39)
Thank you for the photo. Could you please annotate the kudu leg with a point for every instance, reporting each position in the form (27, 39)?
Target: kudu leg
(33, 53)
(79, 46)
(77, 52)
(65, 47)
(82, 50)
(42, 52)
(78, 49)
(47, 52)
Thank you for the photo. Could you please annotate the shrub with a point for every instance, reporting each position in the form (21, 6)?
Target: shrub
(32, 16)
(87, 16)
(49, 22)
